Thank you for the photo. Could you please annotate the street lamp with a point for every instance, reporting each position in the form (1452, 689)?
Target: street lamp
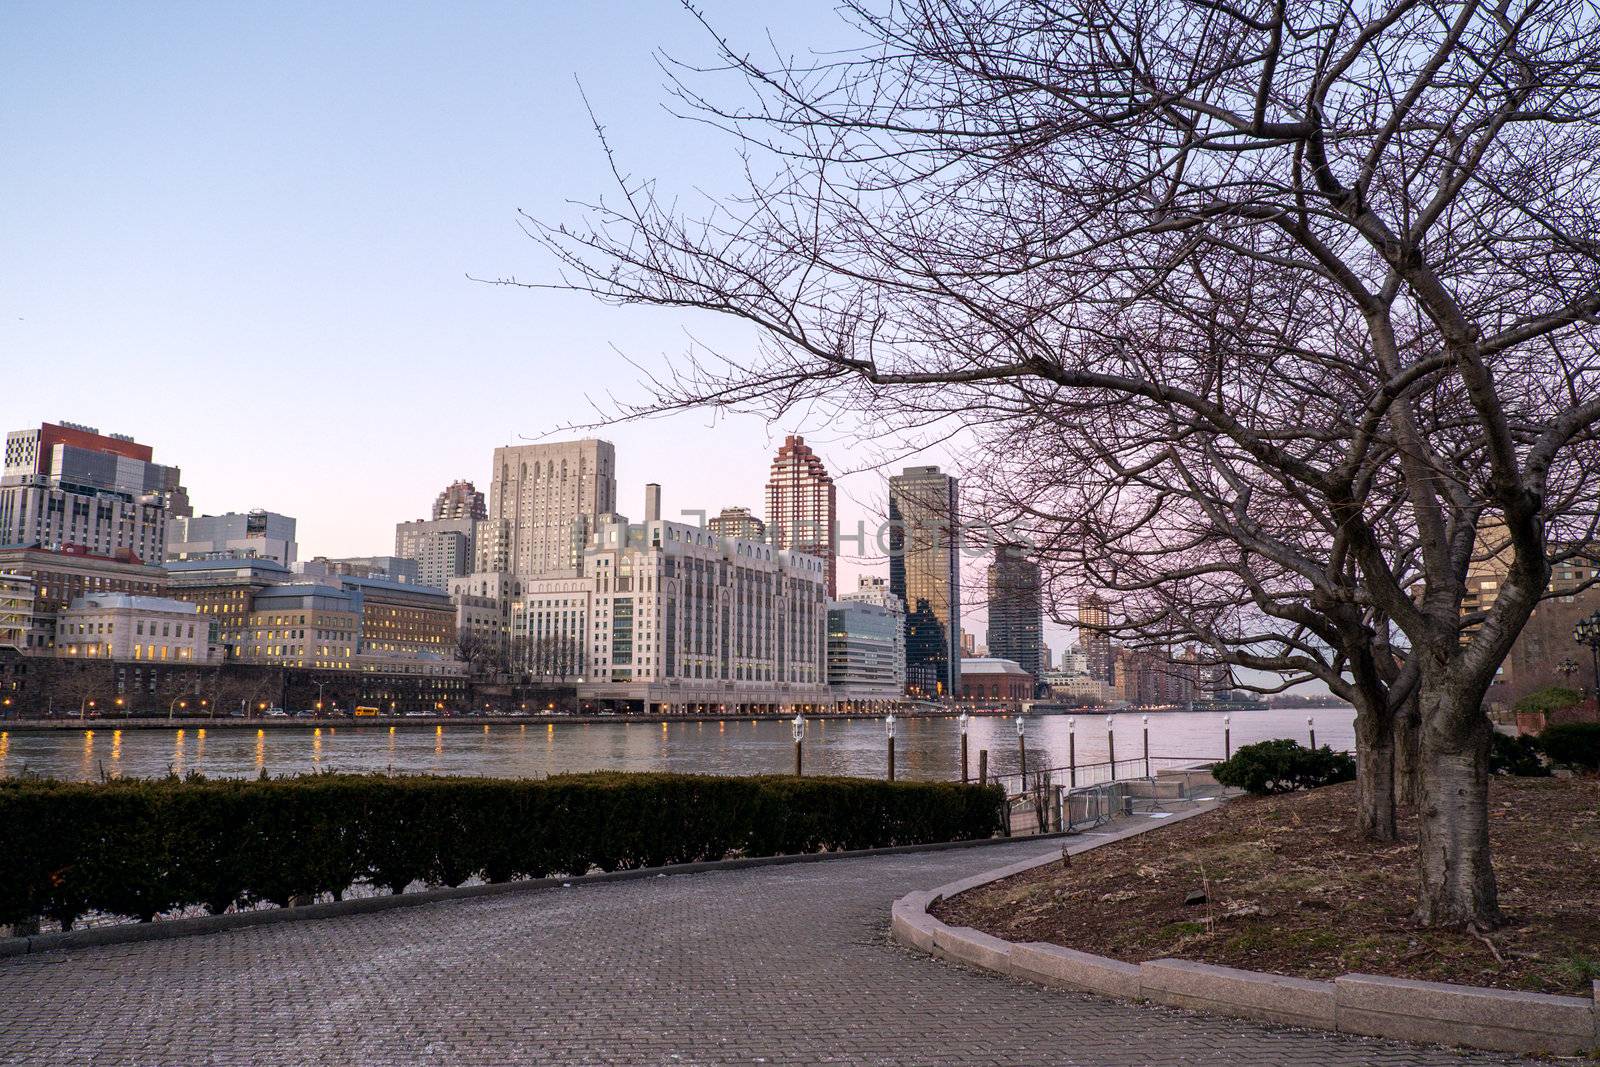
(888, 731)
(1146, 746)
(1587, 632)
(962, 720)
(1072, 753)
(797, 729)
(1111, 746)
(1227, 737)
(1022, 750)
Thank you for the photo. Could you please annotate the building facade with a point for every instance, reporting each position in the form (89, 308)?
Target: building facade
(678, 619)
(395, 568)
(16, 611)
(989, 678)
(1094, 637)
(235, 535)
(803, 507)
(124, 627)
(925, 572)
(63, 576)
(867, 645)
(543, 502)
(442, 548)
(1016, 610)
(70, 486)
(224, 591)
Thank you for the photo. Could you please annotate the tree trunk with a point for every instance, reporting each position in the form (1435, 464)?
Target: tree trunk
(1375, 775)
(1457, 878)
(1408, 754)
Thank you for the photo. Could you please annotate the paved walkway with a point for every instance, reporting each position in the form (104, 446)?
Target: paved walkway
(769, 965)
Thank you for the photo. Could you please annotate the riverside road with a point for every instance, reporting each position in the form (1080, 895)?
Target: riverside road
(788, 964)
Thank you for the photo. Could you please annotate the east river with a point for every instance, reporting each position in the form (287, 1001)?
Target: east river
(926, 748)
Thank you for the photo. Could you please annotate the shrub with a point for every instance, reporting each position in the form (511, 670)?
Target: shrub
(138, 848)
(1517, 757)
(1282, 766)
(1550, 698)
(1573, 744)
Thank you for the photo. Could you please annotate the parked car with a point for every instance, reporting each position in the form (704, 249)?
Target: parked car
(276, 713)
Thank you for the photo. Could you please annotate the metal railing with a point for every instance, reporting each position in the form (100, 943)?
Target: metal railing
(1082, 796)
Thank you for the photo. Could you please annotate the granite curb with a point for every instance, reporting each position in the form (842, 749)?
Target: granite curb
(1366, 1005)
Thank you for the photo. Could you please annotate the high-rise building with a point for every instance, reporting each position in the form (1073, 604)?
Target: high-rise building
(460, 500)
(1016, 613)
(802, 506)
(543, 503)
(72, 486)
(442, 548)
(1094, 638)
(925, 572)
(737, 522)
(236, 535)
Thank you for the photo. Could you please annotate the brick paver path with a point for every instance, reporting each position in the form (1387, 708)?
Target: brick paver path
(770, 965)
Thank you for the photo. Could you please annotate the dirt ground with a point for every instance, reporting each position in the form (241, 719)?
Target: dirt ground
(1292, 890)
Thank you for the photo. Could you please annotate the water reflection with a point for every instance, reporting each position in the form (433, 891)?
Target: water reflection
(926, 748)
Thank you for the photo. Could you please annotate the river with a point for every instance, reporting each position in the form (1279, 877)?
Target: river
(926, 748)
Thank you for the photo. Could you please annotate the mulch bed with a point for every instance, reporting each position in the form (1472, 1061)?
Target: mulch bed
(1292, 890)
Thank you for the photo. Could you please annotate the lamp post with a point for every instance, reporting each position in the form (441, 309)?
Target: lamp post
(1147, 746)
(1227, 737)
(797, 728)
(1022, 749)
(179, 701)
(1111, 746)
(1567, 668)
(888, 731)
(1311, 725)
(962, 720)
(83, 708)
(1587, 632)
(1072, 753)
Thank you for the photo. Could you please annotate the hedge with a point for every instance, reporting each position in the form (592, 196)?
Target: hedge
(1572, 744)
(137, 848)
(1281, 766)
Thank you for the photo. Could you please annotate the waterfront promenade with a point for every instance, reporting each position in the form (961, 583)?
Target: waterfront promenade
(784, 964)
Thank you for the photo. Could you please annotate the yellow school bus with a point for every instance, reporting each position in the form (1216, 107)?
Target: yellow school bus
(363, 712)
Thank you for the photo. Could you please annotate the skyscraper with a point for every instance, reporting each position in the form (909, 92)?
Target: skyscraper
(1016, 615)
(1094, 637)
(543, 503)
(69, 485)
(442, 548)
(802, 505)
(925, 572)
(460, 500)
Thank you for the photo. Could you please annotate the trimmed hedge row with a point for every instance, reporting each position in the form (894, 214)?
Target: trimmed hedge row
(140, 848)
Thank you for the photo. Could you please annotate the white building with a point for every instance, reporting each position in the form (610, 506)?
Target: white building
(119, 626)
(677, 619)
(235, 535)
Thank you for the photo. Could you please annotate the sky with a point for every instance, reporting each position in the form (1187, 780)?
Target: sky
(250, 237)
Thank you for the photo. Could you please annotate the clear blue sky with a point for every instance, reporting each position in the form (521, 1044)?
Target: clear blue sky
(242, 234)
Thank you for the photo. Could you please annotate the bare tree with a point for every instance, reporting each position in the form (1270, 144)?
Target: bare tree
(1301, 300)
